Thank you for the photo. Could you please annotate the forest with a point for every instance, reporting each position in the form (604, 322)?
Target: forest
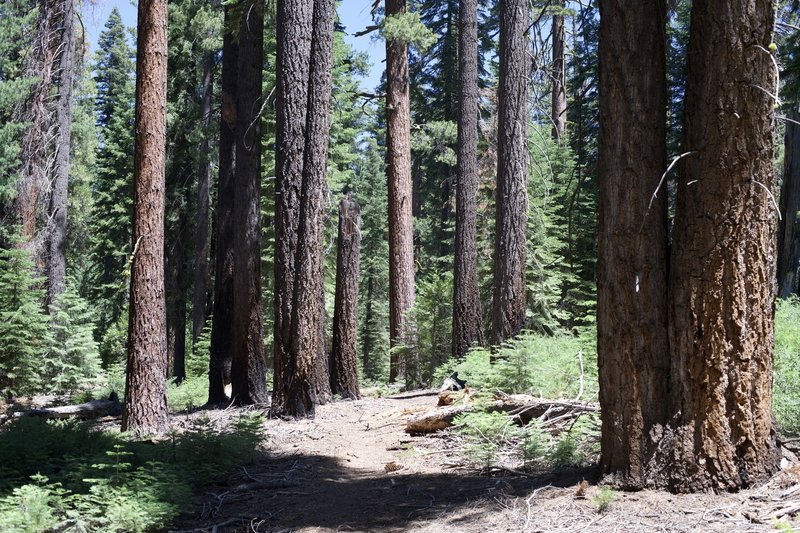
(235, 279)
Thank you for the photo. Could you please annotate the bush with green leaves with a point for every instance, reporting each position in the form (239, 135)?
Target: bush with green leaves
(786, 396)
(603, 499)
(486, 434)
(492, 437)
(24, 327)
(547, 366)
(65, 475)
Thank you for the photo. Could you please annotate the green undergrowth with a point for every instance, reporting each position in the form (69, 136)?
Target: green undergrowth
(67, 476)
(492, 438)
(786, 393)
(542, 365)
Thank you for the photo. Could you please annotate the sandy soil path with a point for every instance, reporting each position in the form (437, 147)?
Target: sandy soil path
(353, 468)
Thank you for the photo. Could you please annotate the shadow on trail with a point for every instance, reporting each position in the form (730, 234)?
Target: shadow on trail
(321, 492)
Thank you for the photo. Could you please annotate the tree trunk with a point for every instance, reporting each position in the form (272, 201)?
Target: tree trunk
(511, 204)
(632, 340)
(248, 373)
(219, 374)
(788, 249)
(201, 264)
(722, 275)
(558, 103)
(308, 361)
(145, 409)
(344, 370)
(35, 114)
(294, 27)
(57, 264)
(398, 175)
(467, 319)
(308, 381)
(176, 319)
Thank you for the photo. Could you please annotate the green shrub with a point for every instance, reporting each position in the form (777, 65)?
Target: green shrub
(565, 453)
(603, 499)
(191, 393)
(485, 434)
(63, 472)
(548, 366)
(31, 508)
(24, 327)
(786, 396)
(534, 445)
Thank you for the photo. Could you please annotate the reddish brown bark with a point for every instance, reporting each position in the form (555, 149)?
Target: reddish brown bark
(401, 226)
(145, 408)
(294, 30)
(310, 382)
(722, 274)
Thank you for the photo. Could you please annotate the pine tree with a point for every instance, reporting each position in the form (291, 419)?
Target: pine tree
(24, 328)
(145, 408)
(15, 27)
(113, 183)
(370, 192)
(511, 207)
(73, 362)
(59, 194)
(722, 284)
(632, 344)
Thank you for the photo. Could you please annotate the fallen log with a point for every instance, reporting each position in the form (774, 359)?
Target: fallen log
(551, 414)
(432, 421)
(92, 409)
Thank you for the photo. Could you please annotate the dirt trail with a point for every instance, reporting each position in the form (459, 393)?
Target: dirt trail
(353, 468)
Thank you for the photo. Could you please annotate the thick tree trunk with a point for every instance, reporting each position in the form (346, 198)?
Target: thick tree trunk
(301, 374)
(398, 175)
(632, 340)
(511, 203)
(308, 361)
(467, 319)
(145, 408)
(558, 103)
(294, 27)
(201, 241)
(35, 113)
(788, 246)
(344, 368)
(722, 275)
(308, 328)
(248, 373)
(57, 263)
(219, 374)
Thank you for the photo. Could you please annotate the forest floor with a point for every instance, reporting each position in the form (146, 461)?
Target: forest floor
(353, 468)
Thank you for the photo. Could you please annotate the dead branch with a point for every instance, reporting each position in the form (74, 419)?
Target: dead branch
(523, 408)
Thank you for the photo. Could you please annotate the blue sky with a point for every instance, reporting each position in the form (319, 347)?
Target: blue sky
(353, 14)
